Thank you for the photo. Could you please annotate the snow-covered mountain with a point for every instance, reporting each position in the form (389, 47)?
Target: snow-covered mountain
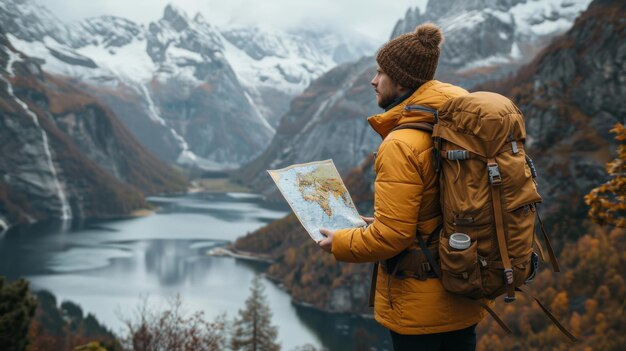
(276, 66)
(487, 39)
(190, 92)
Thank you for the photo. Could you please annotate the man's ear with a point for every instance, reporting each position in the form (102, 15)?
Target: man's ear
(401, 90)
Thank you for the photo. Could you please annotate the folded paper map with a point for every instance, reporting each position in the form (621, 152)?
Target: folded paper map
(317, 196)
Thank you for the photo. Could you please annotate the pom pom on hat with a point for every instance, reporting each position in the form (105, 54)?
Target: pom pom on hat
(429, 35)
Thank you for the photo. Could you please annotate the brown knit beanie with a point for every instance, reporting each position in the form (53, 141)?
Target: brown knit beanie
(411, 59)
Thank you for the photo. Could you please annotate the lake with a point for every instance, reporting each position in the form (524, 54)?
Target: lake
(108, 268)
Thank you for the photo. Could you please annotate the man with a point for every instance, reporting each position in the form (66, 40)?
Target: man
(413, 305)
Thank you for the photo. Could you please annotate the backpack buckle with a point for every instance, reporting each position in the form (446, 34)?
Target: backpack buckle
(457, 155)
(494, 174)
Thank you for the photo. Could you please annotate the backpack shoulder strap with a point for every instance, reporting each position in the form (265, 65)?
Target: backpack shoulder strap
(427, 127)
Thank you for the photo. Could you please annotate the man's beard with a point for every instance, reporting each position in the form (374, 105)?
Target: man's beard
(386, 100)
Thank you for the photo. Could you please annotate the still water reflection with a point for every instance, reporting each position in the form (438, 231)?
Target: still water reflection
(108, 267)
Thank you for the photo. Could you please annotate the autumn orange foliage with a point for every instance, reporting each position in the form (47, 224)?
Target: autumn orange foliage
(608, 201)
(589, 298)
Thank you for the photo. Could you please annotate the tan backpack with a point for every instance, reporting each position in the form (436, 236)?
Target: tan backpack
(488, 193)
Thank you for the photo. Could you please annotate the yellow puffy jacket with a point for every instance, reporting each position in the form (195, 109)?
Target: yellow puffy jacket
(406, 199)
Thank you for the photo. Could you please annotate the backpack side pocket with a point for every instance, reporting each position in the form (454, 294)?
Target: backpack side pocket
(460, 272)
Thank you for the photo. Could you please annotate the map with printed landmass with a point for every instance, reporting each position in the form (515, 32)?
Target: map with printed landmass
(317, 196)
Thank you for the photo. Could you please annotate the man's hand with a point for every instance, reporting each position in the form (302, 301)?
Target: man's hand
(327, 243)
(368, 220)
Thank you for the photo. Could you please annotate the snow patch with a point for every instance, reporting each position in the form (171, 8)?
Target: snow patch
(183, 56)
(549, 27)
(516, 53)
(543, 17)
(259, 114)
(503, 17)
(463, 21)
(130, 61)
(488, 61)
(4, 227)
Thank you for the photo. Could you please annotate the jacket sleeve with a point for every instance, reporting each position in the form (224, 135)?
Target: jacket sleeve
(398, 189)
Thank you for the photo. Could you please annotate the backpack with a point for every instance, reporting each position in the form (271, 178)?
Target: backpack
(488, 192)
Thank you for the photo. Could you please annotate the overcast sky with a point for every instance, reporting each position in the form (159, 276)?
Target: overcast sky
(374, 18)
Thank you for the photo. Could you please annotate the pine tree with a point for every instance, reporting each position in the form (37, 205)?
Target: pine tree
(252, 330)
(17, 307)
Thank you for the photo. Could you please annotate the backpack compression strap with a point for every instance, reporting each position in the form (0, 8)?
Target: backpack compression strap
(556, 322)
(495, 180)
(553, 260)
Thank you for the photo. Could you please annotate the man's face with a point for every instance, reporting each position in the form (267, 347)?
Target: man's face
(387, 91)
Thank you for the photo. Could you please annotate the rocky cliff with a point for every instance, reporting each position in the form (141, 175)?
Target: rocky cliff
(64, 154)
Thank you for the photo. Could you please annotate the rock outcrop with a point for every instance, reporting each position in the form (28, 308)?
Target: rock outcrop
(64, 154)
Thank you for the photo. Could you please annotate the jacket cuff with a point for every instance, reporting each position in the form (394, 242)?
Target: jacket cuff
(342, 244)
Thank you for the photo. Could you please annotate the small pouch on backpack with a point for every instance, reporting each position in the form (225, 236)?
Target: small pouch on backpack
(460, 273)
